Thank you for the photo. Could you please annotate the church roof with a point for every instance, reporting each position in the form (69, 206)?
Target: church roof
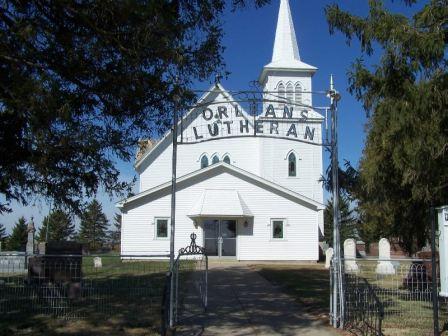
(205, 172)
(285, 55)
(207, 97)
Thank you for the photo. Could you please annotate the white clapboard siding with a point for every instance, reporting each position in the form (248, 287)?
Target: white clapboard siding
(243, 153)
(253, 243)
(265, 157)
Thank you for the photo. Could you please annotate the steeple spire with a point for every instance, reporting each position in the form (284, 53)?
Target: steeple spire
(285, 56)
(285, 45)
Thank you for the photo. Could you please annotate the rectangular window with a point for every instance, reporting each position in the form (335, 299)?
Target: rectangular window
(162, 228)
(278, 228)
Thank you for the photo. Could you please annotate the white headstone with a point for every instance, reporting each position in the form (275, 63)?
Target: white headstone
(97, 263)
(328, 256)
(384, 266)
(350, 255)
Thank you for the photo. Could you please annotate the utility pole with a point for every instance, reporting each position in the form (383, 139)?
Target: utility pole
(173, 205)
(338, 304)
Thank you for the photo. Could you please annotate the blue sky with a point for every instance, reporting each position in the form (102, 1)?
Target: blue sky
(249, 38)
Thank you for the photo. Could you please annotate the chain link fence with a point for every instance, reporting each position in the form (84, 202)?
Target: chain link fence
(124, 289)
(396, 293)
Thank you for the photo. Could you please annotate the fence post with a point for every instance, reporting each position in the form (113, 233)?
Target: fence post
(435, 296)
(206, 281)
(165, 305)
(331, 293)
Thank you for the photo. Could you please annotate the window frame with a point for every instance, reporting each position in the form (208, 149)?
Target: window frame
(295, 164)
(289, 93)
(204, 156)
(284, 223)
(215, 156)
(298, 97)
(281, 90)
(168, 227)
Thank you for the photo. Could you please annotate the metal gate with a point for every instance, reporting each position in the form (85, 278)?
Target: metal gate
(188, 282)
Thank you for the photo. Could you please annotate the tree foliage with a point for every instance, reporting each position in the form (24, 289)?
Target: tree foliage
(19, 236)
(82, 81)
(3, 235)
(94, 224)
(348, 221)
(59, 225)
(404, 166)
(115, 233)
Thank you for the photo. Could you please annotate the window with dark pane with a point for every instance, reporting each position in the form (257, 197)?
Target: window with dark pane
(204, 161)
(289, 94)
(281, 94)
(227, 159)
(292, 165)
(277, 229)
(215, 159)
(298, 93)
(162, 228)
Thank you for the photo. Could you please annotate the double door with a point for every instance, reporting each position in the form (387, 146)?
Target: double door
(220, 237)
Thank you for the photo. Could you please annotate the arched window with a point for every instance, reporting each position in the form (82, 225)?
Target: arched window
(226, 159)
(292, 165)
(289, 93)
(281, 93)
(298, 96)
(215, 159)
(204, 161)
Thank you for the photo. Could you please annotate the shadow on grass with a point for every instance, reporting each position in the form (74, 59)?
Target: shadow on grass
(308, 285)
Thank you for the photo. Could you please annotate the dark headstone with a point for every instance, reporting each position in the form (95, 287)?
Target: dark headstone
(418, 278)
(58, 264)
(60, 248)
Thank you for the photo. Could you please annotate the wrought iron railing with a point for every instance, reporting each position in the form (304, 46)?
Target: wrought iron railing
(364, 312)
(189, 281)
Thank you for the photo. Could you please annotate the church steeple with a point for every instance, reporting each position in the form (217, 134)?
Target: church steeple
(285, 44)
(285, 55)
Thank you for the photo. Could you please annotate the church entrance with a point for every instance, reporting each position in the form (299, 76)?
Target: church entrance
(220, 237)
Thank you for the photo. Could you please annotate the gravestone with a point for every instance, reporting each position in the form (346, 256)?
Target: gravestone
(384, 266)
(30, 238)
(350, 255)
(59, 262)
(97, 263)
(328, 256)
(361, 249)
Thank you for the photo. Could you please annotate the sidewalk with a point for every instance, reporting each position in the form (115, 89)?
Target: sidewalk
(241, 302)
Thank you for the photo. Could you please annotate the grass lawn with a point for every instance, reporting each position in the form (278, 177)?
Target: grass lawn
(406, 313)
(309, 284)
(121, 298)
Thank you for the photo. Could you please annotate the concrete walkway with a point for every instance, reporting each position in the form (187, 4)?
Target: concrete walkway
(242, 302)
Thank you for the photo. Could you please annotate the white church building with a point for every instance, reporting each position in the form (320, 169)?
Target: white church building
(248, 186)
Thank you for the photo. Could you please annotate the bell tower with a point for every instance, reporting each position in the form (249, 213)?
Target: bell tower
(287, 76)
(293, 162)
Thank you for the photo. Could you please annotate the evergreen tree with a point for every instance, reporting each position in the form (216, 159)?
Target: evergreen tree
(59, 225)
(404, 166)
(3, 235)
(19, 236)
(115, 233)
(82, 81)
(94, 224)
(348, 223)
